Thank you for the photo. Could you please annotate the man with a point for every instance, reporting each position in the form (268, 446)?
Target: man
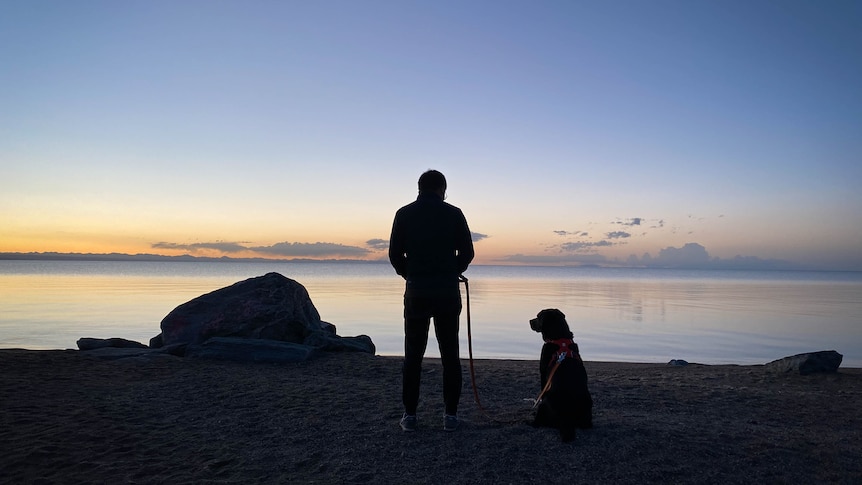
(430, 247)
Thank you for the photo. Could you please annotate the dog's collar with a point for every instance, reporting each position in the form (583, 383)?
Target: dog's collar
(566, 349)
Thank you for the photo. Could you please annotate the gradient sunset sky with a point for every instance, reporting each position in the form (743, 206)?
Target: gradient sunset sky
(571, 132)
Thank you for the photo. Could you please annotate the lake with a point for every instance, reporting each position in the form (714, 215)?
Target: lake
(631, 315)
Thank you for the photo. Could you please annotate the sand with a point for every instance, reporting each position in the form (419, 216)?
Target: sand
(72, 418)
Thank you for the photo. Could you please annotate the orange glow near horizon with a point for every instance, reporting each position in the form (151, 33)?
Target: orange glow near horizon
(523, 245)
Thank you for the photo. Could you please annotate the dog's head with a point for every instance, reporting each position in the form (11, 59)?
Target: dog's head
(551, 323)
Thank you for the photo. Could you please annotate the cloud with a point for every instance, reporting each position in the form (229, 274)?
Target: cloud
(311, 250)
(571, 233)
(225, 247)
(167, 245)
(695, 256)
(689, 255)
(617, 235)
(634, 221)
(377, 244)
(555, 259)
(288, 249)
(584, 245)
(291, 249)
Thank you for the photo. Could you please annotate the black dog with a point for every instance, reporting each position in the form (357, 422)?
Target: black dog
(565, 403)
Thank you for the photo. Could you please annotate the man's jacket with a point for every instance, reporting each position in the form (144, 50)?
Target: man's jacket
(430, 246)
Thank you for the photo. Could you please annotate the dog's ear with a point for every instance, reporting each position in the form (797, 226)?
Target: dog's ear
(554, 325)
(550, 312)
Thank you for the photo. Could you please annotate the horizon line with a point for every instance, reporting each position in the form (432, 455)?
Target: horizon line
(149, 257)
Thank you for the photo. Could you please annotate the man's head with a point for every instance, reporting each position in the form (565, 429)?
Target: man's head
(432, 182)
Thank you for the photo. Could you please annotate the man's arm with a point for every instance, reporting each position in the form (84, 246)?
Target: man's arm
(397, 256)
(465, 245)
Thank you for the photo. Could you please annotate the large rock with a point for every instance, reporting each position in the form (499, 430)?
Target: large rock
(250, 350)
(808, 363)
(268, 307)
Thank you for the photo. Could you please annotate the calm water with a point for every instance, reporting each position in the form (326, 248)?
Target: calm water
(616, 314)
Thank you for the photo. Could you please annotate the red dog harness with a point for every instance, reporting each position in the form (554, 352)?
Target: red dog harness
(566, 350)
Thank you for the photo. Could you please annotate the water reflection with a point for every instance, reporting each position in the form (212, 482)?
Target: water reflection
(710, 317)
(717, 320)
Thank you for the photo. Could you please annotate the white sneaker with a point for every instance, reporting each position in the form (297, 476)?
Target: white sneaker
(408, 422)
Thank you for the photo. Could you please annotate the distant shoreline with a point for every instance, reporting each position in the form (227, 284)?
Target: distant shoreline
(51, 256)
(188, 258)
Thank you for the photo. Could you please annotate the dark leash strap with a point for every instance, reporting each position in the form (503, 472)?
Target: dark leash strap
(482, 409)
(466, 282)
(557, 362)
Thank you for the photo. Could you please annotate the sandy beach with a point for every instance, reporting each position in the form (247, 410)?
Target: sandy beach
(72, 418)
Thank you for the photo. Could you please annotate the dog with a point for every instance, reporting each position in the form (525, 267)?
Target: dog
(565, 402)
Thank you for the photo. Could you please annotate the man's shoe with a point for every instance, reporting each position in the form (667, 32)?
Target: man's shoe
(450, 422)
(408, 422)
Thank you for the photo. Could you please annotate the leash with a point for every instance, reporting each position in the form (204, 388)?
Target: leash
(550, 378)
(565, 350)
(466, 282)
(482, 409)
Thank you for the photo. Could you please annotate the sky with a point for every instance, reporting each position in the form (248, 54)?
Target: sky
(630, 133)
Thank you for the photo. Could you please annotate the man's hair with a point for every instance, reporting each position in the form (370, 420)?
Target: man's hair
(431, 181)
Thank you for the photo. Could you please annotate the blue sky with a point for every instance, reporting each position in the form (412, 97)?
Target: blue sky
(715, 133)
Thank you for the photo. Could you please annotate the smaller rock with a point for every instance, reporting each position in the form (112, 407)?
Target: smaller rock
(808, 363)
(87, 343)
(327, 327)
(336, 343)
(677, 362)
(177, 350)
(117, 353)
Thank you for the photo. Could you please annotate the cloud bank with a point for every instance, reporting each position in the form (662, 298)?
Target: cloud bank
(689, 256)
(224, 247)
(311, 250)
(288, 249)
(282, 249)
(695, 256)
(377, 244)
(582, 249)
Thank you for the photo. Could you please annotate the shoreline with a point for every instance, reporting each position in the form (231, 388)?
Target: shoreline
(72, 418)
(465, 360)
